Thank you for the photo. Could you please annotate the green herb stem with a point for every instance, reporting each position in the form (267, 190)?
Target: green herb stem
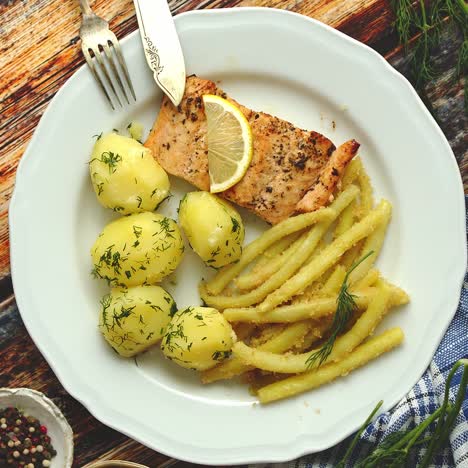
(394, 451)
(427, 19)
(451, 410)
(355, 440)
(423, 13)
(345, 306)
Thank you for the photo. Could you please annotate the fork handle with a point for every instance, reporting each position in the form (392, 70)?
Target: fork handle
(85, 8)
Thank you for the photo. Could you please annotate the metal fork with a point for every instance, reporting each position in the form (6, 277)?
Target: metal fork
(96, 38)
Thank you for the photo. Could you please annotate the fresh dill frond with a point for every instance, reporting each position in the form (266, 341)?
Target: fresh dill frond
(422, 68)
(458, 11)
(388, 453)
(404, 15)
(395, 451)
(118, 317)
(110, 159)
(165, 227)
(345, 307)
(174, 331)
(106, 302)
(424, 21)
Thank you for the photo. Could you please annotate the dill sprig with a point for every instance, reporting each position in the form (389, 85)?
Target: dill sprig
(395, 450)
(106, 302)
(458, 11)
(166, 228)
(110, 159)
(425, 20)
(404, 14)
(421, 66)
(345, 307)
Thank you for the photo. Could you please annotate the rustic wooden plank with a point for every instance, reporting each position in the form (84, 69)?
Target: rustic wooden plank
(6, 290)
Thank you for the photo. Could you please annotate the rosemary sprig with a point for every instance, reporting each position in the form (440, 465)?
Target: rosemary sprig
(395, 450)
(345, 306)
(426, 19)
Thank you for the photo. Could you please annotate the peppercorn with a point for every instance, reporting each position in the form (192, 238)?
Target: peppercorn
(23, 440)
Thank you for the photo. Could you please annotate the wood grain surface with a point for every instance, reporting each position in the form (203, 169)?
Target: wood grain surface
(39, 50)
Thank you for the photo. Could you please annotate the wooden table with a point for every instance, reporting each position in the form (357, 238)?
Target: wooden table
(39, 50)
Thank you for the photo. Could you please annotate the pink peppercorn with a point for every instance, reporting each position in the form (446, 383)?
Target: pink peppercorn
(43, 429)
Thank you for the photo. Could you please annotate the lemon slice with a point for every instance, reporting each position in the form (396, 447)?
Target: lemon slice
(229, 143)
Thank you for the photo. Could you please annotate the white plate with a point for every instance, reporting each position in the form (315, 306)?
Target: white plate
(302, 71)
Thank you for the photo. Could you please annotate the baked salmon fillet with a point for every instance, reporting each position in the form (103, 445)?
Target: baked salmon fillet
(292, 170)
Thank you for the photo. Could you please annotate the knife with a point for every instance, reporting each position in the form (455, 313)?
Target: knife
(162, 47)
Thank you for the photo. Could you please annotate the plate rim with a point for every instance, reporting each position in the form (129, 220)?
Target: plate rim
(105, 414)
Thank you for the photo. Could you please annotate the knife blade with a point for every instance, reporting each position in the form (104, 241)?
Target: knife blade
(162, 47)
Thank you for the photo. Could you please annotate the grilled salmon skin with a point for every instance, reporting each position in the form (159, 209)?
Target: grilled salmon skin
(292, 170)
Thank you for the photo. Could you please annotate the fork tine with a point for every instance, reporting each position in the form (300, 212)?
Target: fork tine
(91, 66)
(116, 45)
(110, 59)
(97, 54)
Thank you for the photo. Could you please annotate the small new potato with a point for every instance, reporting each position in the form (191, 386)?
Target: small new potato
(198, 338)
(213, 228)
(138, 249)
(132, 320)
(125, 176)
(135, 129)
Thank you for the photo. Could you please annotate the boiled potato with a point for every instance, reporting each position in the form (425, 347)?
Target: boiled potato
(138, 249)
(125, 176)
(198, 338)
(134, 319)
(136, 130)
(213, 228)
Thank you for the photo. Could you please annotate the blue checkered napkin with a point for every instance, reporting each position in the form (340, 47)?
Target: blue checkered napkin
(421, 401)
